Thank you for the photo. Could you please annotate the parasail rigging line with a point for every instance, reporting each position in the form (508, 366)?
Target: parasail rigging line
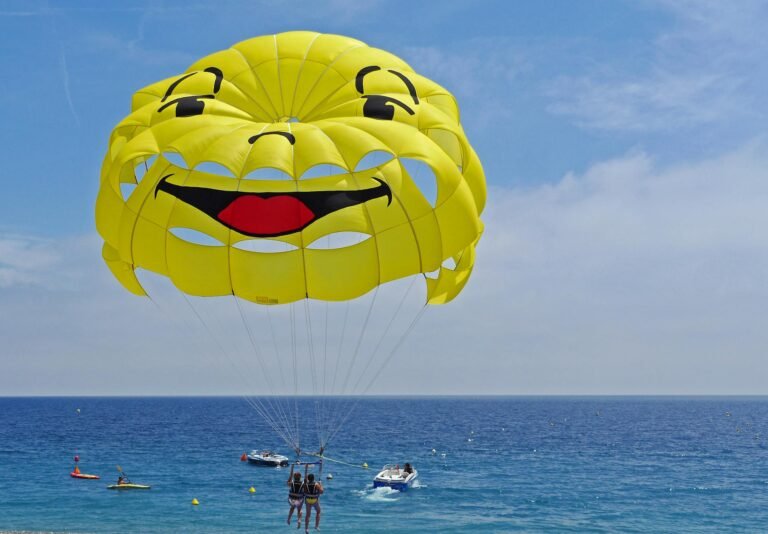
(292, 415)
(385, 333)
(339, 418)
(295, 371)
(254, 403)
(325, 357)
(355, 352)
(277, 406)
(313, 370)
(268, 400)
(258, 409)
(391, 354)
(340, 348)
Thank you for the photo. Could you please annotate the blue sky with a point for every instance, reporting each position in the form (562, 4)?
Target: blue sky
(624, 143)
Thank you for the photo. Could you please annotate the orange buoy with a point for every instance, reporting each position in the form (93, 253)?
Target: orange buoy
(243, 458)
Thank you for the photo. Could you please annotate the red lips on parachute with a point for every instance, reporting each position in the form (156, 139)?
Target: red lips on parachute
(255, 215)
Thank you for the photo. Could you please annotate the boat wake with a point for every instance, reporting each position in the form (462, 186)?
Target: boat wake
(380, 494)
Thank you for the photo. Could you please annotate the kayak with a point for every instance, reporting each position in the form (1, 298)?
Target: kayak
(83, 475)
(128, 486)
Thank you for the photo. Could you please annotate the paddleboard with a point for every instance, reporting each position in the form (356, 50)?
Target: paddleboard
(128, 486)
(83, 475)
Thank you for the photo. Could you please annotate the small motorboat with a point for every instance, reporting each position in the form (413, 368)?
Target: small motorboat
(267, 459)
(395, 477)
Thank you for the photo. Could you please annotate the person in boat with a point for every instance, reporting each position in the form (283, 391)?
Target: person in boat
(312, 491)
(295, 496)
(121, 479)
(408, 469)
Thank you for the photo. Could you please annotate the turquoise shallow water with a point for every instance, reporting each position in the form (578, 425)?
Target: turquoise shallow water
(510, 464)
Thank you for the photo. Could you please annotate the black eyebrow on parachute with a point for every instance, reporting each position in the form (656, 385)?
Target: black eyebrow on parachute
(216, 84)
(362, 73)
(408, 84)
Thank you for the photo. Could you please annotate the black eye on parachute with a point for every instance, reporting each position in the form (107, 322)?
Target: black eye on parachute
(189, 106)
(380, 106)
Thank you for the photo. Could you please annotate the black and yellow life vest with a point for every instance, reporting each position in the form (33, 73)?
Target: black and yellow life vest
(295, 490)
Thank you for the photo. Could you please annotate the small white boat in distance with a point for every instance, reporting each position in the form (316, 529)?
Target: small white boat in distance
(395, 477)
(267, 459)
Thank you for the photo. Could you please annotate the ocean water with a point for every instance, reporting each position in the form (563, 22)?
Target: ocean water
(560, 464)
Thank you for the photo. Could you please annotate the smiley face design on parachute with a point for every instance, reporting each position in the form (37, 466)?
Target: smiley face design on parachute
(271, 214)
(292, 103)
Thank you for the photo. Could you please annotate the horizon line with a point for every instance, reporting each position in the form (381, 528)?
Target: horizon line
(384, 395)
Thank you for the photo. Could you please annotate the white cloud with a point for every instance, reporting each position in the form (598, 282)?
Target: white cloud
(625, 279)
(470, 67)
(67, 92)
(662, 101)
(26, 260)
(709, 69)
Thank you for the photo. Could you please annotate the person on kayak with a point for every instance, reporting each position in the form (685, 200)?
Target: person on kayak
(295, 496)
(121, 479)
(312, 491)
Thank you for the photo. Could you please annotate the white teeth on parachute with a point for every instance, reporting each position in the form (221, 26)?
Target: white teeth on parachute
(196, 237)
(267, 246)
(338, 240)
(332, 241)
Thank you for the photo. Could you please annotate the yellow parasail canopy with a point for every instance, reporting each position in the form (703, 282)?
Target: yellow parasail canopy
(232, 153)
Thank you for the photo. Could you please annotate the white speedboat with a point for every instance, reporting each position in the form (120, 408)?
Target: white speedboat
(267, 459)
(395, 477)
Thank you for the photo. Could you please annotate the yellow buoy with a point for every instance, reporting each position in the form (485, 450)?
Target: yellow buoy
(365, 465)
(252, 490)
(195, 502)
